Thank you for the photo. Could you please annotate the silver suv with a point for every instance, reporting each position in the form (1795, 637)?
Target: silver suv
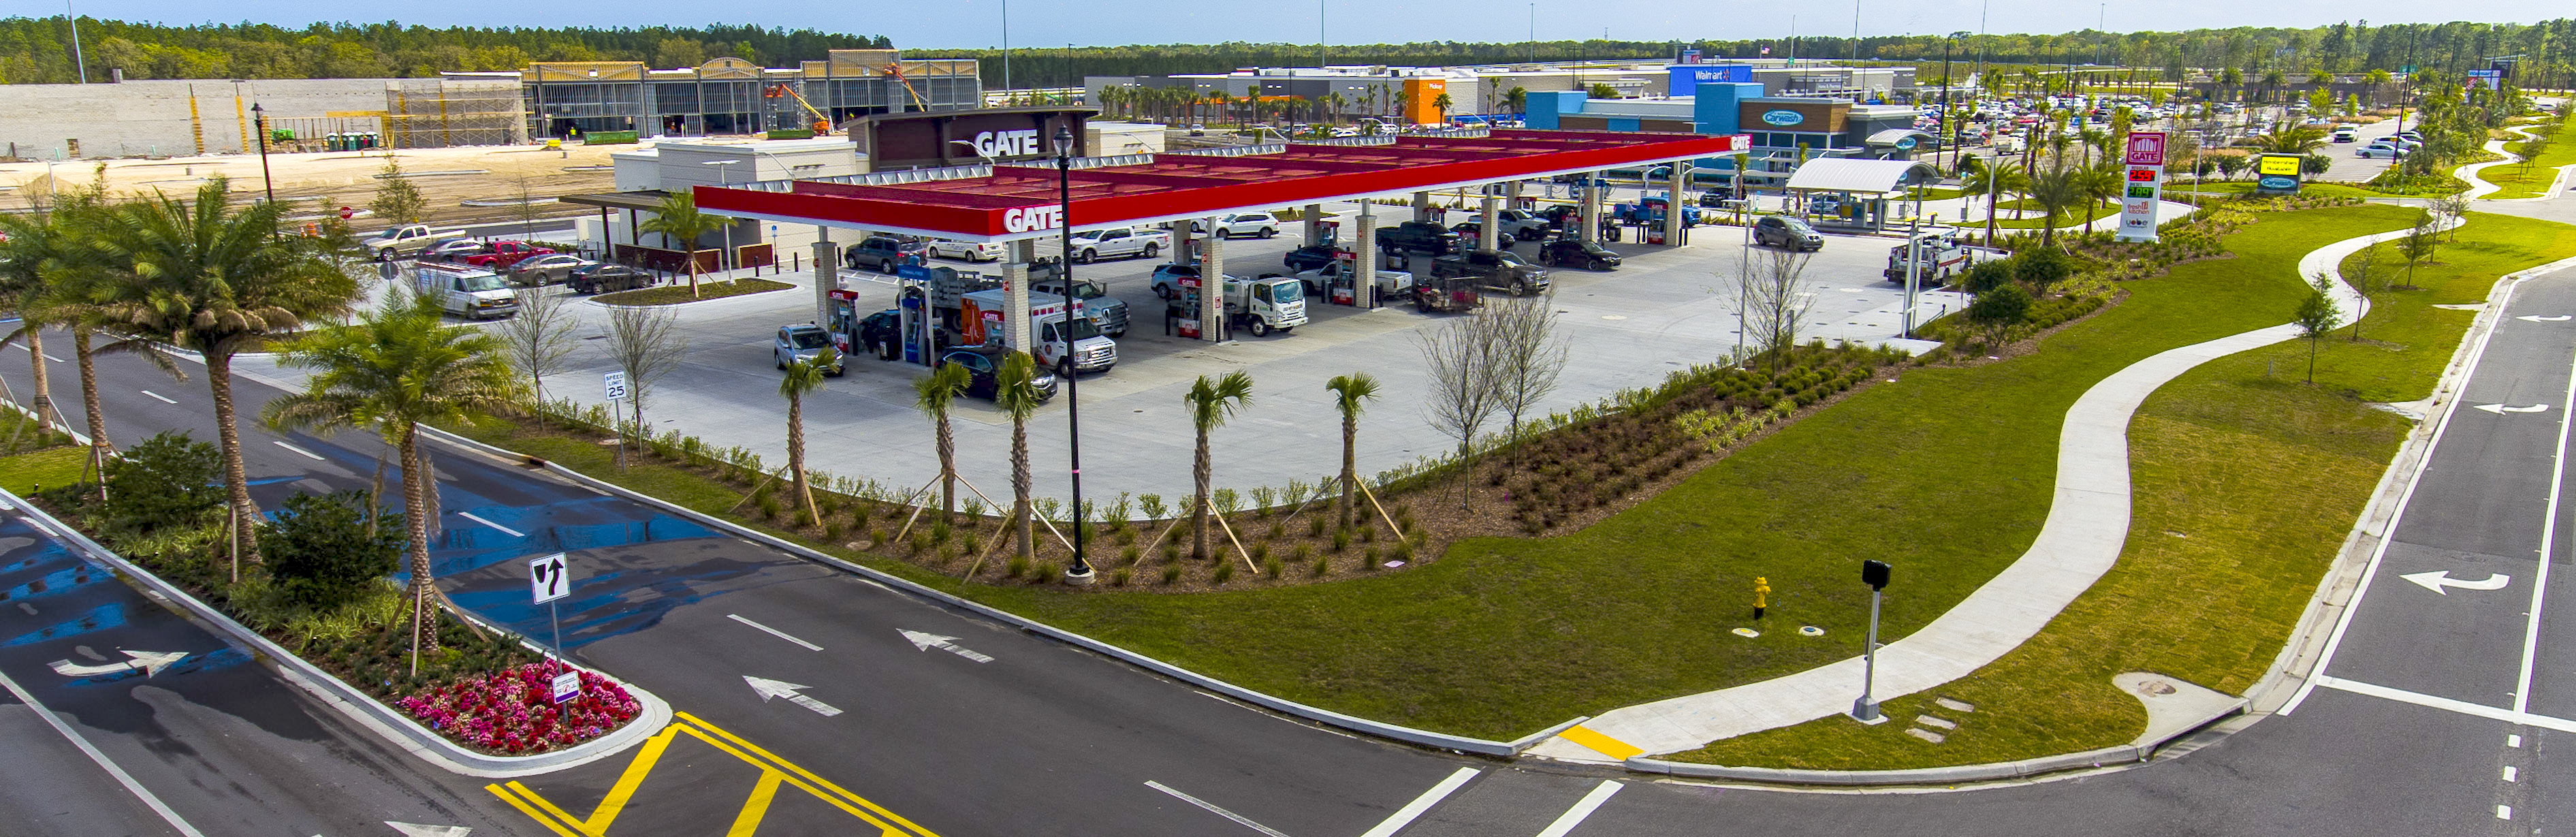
(1787, 232)
(798, 342)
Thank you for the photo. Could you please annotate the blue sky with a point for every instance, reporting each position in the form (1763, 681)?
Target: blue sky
(978, 23)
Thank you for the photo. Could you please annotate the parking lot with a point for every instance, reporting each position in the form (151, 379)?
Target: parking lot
(1666, 309)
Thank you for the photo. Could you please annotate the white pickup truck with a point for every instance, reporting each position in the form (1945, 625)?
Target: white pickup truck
(406, 240)
(1119, 242)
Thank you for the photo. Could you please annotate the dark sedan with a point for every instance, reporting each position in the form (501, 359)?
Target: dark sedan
(983, 367)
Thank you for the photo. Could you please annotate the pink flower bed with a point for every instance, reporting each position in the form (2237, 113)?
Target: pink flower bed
(511, 712)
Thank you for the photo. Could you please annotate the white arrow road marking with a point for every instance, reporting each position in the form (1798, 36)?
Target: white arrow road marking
(2535, 318)
(925, 641)
(504, 529)
(151, 662)
(307, 454)
(159, 397)
(1238, 818)
(410, 829)
(2500, 409)
(775, 632)
(123, 778)
(779, 688)
(2438, 579)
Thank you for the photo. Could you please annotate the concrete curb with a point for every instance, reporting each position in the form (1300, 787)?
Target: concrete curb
(1365, 726)
(393, 726)
(2105, 757)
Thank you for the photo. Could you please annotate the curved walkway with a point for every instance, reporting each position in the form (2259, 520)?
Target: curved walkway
(2479, 188)
(2087, 526)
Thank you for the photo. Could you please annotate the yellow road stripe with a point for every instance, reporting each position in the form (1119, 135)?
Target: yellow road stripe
(757, 806)
(801, 784)
(615, 803)
(808, 776)
(531, 811)
(559, 813)
(1604, 744)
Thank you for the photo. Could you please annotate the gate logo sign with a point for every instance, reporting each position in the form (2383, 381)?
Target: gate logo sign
(1007, 143)
(2146, 148)
(1029, 218)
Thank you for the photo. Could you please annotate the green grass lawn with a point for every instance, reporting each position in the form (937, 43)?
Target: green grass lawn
(677, 291)
(2246, 187)
(1946, 473)
(2247, 480)
(2520, 181)
(643, 474)
(22, 473)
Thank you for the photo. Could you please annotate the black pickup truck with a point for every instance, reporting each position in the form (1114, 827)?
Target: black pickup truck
(1421, 237)
(1500, 270)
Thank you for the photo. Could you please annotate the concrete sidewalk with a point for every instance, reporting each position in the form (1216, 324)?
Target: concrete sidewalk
(2088, 524)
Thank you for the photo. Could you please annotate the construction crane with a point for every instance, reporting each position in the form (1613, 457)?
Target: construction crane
(896, 70)
(822, 123)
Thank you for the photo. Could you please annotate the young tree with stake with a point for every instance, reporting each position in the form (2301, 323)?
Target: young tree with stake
(1350, 395)
(2316, 318)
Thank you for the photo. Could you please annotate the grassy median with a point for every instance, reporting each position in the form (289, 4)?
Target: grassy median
(2516, 180)
(1946, 473)
(2247, 479)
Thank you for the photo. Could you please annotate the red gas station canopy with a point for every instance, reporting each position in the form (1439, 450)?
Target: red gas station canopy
(1019, 202)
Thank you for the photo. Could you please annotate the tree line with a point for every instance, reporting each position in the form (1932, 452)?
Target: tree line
(38, 50)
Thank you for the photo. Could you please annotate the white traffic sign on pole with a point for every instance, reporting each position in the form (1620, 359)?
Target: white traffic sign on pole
(547, 580)
(615, 384)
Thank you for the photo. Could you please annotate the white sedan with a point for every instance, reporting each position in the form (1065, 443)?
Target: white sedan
(2380, 150)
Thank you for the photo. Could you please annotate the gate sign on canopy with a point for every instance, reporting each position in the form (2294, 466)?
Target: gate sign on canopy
(2144, 186)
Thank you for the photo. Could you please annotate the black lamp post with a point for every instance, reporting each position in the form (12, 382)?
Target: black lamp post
(1080, 571)
(259, 122)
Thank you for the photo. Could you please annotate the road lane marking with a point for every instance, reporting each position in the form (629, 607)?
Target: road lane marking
(504, 529)
(774, 632)
(2463, 707)
(159, 397)
(799, 776)
(1405, 816)
(2405, 498)
(1597, 742)
(2513, 741)
(1238, 818)
(307, 454)
(2510, 773)
(131, 786)
(536, 807)
(754, 809)
(2548, 540)
(1572, 817)
(2504, 812)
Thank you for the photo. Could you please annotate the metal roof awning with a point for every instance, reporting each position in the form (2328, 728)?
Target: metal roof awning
(646, 200)
(1896, 137)
(1014, 202)
(1844, 174)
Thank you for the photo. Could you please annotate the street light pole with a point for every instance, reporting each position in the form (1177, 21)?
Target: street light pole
(1080, 571)
(259, 122)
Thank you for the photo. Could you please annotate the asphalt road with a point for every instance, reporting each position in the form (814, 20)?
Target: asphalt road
(2416, 738)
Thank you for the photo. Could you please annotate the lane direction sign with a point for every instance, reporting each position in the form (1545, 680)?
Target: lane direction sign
(148, 662)
(2439, 579)
(926, 641)
(547, 580)
(768, 688)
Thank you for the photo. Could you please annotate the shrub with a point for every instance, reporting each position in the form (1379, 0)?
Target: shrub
(2003, 306)
(967, 543)
(167, 480)
(1224, 571)
(1171, 573)
(2042, 266)
(1045, 573)
(1263, 497)
(1152, 504)
(1016, 567)
(1341, 540)
(1226, 500)
(320, 550)
(1315, 526)
(1118, 577)
(939, 532)
(1321, 567)
(1128, 554)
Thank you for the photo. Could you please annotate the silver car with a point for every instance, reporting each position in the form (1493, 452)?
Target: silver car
(798, 342)
(548, 269)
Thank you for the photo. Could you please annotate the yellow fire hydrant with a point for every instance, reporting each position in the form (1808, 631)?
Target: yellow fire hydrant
(1761, 596)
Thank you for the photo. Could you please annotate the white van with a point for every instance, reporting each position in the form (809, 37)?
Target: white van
(470, 292)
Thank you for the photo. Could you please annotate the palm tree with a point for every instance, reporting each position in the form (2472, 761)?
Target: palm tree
(397, 368)
(2056, 190)
(1350, 394)
(30, 247)
(1211, 403)
(932, 393)
(1993, 180)
(1444, 103)
(2378, 81)
(206, 277)
(679, 220)
(2291, 139)
(2095, 139)
(1015, 390)
(2101, 184)
(804, 375)
(62, 247)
